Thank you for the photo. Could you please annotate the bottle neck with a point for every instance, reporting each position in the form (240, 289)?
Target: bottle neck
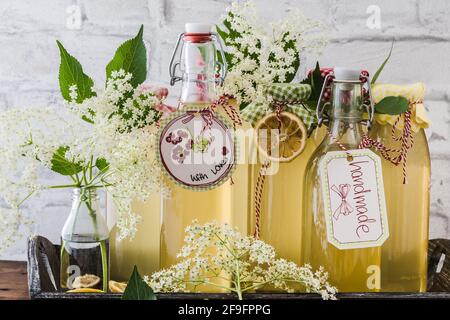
(197, 88)
(346, 115)
(198, 65)
(348, 133)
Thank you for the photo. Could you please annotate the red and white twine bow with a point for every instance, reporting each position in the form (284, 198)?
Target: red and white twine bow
(206, 114)
(344, 208)
(396, 156)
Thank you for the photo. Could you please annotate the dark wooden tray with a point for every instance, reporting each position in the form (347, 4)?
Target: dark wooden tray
(43, 278)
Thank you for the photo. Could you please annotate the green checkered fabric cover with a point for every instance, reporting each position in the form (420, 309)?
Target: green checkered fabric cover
(288, 92)
(282, 92)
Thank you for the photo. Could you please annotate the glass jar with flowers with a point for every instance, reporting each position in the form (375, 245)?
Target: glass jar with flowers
(99, 142)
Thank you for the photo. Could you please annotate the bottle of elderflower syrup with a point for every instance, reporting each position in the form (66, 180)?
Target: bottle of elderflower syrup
(344, 217)
(404, 254)
(276, 177)
(196, 150)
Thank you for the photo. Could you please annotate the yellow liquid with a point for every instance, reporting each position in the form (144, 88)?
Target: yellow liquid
(404, 254)
(143, 249)
(351, 270)
(281, 205)
(224, 204)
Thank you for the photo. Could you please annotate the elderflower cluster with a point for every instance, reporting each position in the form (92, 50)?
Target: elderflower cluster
(260, 56)
(217, 255)
(123, 135)
(28, 140)
(115, 125)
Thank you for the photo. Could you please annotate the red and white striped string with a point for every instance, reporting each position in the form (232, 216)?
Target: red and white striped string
(259, 189)
(394, 155)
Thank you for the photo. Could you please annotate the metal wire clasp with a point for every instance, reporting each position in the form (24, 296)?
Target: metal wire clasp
(173, 66)
(369, 106)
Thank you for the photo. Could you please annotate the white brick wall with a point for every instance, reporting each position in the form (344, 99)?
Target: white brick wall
(29, 61)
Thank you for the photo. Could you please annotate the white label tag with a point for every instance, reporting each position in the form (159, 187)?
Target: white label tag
(354, 201)
(197, 149)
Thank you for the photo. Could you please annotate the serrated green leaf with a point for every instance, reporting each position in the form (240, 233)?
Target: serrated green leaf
(377, 73)
(62, 165)
(392, 105)
(228, 57)
(131, 56)
(71, 73)
(137, 289)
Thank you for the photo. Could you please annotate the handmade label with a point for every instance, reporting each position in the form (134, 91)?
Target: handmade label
(197, 149)
(354, 201)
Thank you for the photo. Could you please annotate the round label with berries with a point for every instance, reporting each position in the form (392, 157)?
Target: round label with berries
(197, 149)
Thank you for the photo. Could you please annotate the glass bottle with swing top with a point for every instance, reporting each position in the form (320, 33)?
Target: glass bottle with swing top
(276, 179)
(225, 202)
(352, 266)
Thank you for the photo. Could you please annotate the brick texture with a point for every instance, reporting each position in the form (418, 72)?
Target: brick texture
(92, 29)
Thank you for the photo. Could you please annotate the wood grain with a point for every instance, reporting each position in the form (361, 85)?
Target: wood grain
(13, 280)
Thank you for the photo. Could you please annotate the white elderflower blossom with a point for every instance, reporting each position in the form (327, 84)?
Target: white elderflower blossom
(218, 255)
(259, 55)
(116, 128)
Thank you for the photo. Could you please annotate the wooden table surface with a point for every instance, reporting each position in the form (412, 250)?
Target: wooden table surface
(13, 280)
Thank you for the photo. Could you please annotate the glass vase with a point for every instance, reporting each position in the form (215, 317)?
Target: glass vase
(85, 245)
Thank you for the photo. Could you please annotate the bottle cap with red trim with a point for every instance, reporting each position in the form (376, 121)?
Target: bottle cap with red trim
(198, 28)
(347, 74)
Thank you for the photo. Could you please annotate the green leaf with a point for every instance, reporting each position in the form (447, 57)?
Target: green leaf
(392, 105)
(101, 164)
(137, 289)
(228, 57)
(377, 74)
(62, 165)
(131, 56)
(71, 73)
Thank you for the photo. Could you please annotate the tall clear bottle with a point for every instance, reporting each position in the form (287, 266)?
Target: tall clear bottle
(198, 64)
(279, 204)
(348, 269)
(404, 254)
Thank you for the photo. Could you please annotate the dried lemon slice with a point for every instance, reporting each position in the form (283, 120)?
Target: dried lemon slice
(285, 144)
(85, 281)
(85, 290)
(117, 287)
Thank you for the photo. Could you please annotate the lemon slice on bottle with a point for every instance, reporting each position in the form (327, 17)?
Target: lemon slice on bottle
(280, 138)
(85, 281)
(85, 290)
(117, 287)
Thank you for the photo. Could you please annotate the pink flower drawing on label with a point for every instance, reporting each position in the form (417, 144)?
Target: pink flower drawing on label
(197, 149)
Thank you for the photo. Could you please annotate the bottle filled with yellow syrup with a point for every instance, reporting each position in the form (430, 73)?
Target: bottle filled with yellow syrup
(165, 216)
(404, 254)
(276, 176)
(143, 249)
(344, 219)
(198, 191)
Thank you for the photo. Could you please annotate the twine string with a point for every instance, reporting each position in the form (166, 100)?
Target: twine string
(396, 156)
(259, 189)
(278, 106)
